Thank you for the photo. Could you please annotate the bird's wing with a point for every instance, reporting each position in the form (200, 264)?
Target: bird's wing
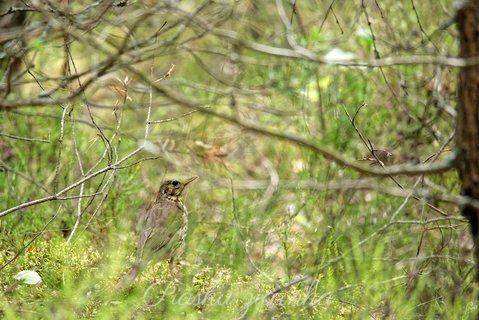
(162, 221)
(140, 229)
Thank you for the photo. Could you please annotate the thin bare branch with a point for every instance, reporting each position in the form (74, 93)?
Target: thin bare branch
(174, 118)
(25, 138)
(60, 149)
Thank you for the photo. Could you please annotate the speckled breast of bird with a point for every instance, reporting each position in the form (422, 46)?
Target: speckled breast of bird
(182, 232)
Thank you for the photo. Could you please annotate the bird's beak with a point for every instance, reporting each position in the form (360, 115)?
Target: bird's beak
(187, 181)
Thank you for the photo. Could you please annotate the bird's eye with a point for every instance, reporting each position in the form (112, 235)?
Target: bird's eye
(175, 183)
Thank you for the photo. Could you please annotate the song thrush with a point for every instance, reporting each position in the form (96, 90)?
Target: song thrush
(163, 227)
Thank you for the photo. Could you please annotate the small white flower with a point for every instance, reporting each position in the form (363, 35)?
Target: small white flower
(28, 277)
(337, 54)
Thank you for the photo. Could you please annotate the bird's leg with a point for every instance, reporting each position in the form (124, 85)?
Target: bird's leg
(173, 270)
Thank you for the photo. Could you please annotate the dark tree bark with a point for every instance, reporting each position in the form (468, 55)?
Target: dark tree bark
(11, 41)
(468, 115)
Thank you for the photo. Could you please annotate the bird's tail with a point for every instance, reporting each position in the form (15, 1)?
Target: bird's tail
(128, 279)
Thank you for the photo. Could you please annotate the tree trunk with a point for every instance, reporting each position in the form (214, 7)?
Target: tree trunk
(468, 116)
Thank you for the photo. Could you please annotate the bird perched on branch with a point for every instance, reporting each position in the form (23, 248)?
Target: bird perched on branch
(163, 227)
(377, 155)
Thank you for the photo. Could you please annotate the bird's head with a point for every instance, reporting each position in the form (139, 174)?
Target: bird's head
(172, 189)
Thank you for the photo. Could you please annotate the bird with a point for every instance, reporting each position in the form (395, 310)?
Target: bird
(162, 230)
(378, 156)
